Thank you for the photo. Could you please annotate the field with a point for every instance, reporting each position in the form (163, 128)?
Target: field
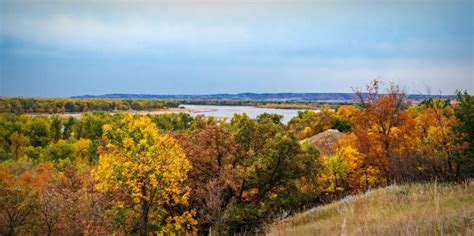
(416, 209)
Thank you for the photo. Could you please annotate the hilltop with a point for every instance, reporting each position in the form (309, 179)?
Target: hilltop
(415, 209)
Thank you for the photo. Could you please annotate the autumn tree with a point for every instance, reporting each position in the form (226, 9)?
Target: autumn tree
(435, 141)
(384, 129)
(303, 124)
(345, 118)
(309, 123)
(17, 203)
(212, 151)
(150, 169)
(18, 143)
(269, 163)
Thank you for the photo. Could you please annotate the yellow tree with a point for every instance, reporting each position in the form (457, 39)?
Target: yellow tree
(361, 174)
(436, 138)
(149, 170)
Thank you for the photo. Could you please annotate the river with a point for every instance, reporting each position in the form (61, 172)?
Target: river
(229, 111)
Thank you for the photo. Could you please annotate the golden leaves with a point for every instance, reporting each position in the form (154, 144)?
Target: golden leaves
(150, 167)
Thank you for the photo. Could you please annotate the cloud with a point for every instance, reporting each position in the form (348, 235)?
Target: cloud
(89, 33)
(223, 46)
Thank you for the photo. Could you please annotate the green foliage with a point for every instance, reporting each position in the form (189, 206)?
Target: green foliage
(90, 125)
(464, 112)
(173, 121)
(39, 131)
(342, 125)
(69, 124)
(269, 163)
(56, 127)
(61, 153)
(275, 118)
(60, 105)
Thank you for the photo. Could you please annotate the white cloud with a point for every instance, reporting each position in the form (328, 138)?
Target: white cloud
(133, 33)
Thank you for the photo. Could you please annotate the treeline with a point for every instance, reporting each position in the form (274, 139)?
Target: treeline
(265, 104)
(65, 105)
(176, 174)
(61, 105)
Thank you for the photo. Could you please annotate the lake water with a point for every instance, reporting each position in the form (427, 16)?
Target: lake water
(229, 111)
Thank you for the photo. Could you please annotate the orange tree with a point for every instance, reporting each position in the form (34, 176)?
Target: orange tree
(384, 130)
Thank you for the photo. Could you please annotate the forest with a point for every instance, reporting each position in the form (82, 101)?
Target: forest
(182, 175)
(78, 105)
(68, 105)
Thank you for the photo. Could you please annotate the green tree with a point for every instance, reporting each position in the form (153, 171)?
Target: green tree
(56, 127)
(269, 163)
(464, 111)
(69, 127)
(39, 131)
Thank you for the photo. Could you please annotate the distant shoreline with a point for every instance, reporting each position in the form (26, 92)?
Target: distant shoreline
(144, 112)
(189, 109)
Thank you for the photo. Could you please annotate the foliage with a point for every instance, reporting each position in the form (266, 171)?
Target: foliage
(113, 173)
(151, 169)
(464, 112)
(61, 105)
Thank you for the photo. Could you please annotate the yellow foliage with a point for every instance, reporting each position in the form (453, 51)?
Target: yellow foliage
(81, 147)
(347, 112)
(148, 166)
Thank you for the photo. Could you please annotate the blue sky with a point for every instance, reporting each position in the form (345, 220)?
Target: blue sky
(66, 48)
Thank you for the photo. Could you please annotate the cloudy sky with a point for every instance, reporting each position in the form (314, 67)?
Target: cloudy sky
(65, 48)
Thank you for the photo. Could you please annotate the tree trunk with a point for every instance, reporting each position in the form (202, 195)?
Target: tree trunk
(145, 207)
(11, 230)
(144, 218)
(458, 172)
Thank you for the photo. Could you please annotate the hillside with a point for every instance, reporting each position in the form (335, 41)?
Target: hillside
(325, 141)
(418, 209)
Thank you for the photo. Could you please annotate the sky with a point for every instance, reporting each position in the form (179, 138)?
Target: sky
(67, 48)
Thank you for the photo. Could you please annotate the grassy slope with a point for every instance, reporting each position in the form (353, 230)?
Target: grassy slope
(417, 209)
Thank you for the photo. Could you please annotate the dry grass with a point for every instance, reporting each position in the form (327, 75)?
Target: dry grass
(417, 209)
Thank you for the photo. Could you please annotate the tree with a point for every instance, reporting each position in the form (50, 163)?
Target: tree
(39, 131)
(384, 129)
(18, 144)
(150, 168)
(61, 153)
(345, 117)
(275, 118)
(17, 202)
(269, 163)
(309, 123)
(435, 141)
(68, 127)
(81, 148)
(90, 125)
(334, 175)
(212, 150)
(464, 112)
(56, 127)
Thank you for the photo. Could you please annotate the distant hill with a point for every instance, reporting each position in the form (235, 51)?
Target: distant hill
(325, 141)
(308, 97)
